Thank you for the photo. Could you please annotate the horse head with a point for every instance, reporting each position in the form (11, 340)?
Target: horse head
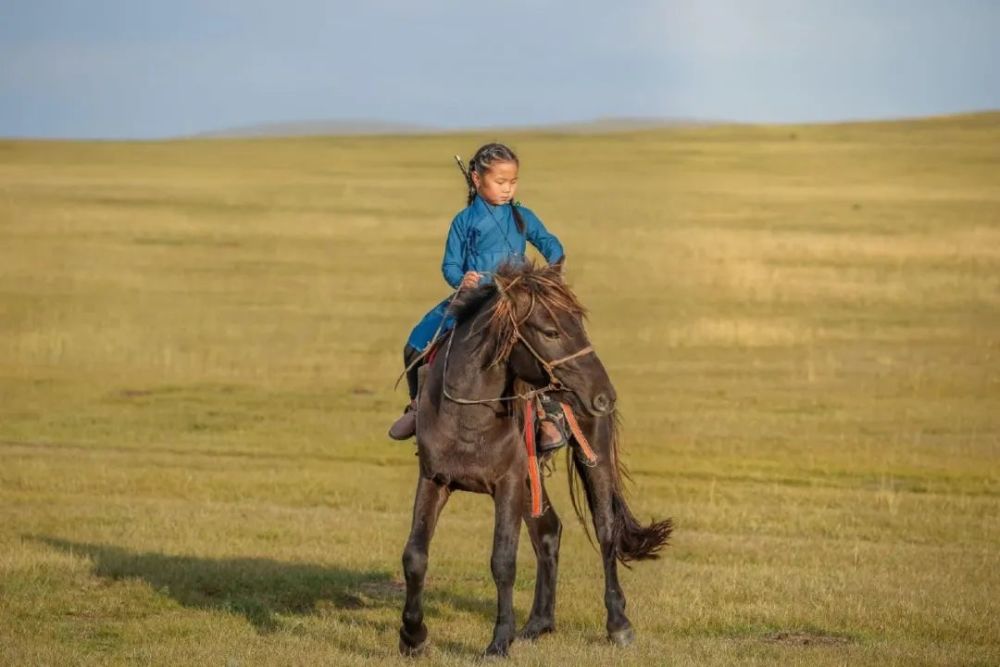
(533, 323)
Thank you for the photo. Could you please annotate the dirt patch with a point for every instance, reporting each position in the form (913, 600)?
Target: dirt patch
(805, 639)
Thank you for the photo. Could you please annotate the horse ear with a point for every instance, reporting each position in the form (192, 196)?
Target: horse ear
(558, 266)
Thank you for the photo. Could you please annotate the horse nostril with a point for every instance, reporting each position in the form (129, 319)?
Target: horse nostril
(602, 403)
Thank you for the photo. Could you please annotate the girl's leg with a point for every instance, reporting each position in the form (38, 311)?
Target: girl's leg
(409, 354)
(406, 426)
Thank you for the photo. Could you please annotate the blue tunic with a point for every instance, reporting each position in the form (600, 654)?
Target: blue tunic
(481, 238)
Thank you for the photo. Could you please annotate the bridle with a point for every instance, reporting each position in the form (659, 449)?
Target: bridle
(555, 384)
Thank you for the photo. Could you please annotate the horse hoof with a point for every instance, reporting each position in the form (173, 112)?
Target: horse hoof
(622, 637)
(533, 631)
(496, 651)
(412, 644)
(411, 651)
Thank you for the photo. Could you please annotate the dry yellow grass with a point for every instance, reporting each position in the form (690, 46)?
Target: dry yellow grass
(198, 342)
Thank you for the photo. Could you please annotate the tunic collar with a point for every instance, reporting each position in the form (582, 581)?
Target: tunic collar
(480, 206)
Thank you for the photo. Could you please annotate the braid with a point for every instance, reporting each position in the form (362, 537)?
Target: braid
(517, 217)
(469, 183)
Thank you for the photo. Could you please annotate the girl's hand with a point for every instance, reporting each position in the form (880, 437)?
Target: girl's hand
(471, 279)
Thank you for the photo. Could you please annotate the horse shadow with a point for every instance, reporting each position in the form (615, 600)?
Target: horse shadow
(260, 589)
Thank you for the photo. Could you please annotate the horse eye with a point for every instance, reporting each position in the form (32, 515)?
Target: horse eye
(551, 334)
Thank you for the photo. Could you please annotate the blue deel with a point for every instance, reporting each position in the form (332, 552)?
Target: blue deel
(481, 238)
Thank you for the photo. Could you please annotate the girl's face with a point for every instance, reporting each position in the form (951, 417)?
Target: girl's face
(499, 183)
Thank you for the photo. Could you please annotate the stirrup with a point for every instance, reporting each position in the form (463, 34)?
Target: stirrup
(547, 447)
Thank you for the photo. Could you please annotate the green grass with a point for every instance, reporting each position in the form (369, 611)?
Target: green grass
(198, 342)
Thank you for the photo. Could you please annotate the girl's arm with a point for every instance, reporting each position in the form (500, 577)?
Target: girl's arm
(453, 264)
(541, 238)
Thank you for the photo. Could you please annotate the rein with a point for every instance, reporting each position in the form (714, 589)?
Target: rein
(549, 366)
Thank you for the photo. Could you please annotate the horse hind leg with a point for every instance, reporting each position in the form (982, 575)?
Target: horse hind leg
(545, 532)
(620, 535)
(625, 539)
(508, 500)
(430, 500)
(600, 490)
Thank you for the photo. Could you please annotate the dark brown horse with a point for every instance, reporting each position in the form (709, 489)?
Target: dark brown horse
(524, 330)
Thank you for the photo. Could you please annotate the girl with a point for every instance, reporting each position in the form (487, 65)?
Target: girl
(491, 230)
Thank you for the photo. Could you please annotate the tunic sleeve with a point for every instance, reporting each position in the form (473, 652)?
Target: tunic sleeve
(541, 238)
(453, 264)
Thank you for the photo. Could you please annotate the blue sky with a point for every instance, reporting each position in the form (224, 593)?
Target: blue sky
(128, 69)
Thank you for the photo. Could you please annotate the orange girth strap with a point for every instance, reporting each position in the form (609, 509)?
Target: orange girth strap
(581, 439)
(534, 475)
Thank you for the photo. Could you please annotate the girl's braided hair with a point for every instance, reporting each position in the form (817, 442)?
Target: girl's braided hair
(480, 163)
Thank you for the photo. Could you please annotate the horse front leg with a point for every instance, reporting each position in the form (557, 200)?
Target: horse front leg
(509, 503)
(545, 532)
(602, 499)
(430, 500)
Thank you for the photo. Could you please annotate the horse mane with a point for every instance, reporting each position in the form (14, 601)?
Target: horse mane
(507, 302)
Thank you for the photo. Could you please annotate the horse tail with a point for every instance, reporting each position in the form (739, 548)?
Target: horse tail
(632, 540)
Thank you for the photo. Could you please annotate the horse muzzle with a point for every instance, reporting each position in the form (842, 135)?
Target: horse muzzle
(602, 405)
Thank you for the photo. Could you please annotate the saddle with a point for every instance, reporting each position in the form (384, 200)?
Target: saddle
(434, 348)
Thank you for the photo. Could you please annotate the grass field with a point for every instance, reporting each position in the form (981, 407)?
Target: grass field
(198, 342)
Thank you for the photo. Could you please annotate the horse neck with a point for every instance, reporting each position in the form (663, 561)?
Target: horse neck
(467, 376)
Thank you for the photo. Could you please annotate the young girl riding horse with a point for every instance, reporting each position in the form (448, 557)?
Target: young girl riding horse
(490, 231)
